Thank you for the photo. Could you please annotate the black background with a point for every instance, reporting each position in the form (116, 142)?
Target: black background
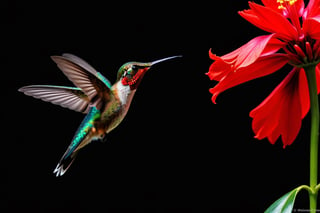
(175, 151)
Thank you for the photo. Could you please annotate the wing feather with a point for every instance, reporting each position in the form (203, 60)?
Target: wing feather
(84, 76)
(88, 67)
(68, 97)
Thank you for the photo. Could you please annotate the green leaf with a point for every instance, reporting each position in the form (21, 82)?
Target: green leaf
(285, 203)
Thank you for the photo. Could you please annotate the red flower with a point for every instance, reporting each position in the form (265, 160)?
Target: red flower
(290, 42)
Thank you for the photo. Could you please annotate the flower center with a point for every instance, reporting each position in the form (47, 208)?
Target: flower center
(283, 4)
(304, 52)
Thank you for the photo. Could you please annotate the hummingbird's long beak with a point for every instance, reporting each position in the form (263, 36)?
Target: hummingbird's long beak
(164, 59)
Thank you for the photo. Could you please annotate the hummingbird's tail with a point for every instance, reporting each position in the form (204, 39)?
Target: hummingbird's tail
(64, 163)
(84, 135)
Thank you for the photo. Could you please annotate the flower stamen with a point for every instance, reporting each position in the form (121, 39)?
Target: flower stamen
(283, 4)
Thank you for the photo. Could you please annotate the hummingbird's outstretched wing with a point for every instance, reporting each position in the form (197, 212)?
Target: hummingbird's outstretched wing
(84, 76)
(84, 135)
(68, 97)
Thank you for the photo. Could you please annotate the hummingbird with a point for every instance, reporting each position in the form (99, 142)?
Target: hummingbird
(104, 104)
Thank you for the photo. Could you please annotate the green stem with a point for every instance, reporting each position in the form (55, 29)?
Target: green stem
(314, 137)
(317, 187)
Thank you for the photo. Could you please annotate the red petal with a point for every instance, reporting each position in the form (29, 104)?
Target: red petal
(213, 56)
(304, 94)
(218, 70)
(273, 46)
(265, 65)
(243, 56)
(252, 50)
(269, 20)
(281, 112)
(304, 91)
(263, 127)
(313, 9)
(311, 27)
(274, 135)
(272, 4)
(249, 52)
(300, 7)
(290, 120)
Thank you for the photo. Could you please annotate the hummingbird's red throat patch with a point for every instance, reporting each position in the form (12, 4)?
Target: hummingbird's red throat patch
(131, 81)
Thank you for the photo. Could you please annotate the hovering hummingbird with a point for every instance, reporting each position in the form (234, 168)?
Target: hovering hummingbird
(105, 104)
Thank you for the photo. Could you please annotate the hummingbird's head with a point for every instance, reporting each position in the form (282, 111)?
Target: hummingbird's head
(131, 73)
